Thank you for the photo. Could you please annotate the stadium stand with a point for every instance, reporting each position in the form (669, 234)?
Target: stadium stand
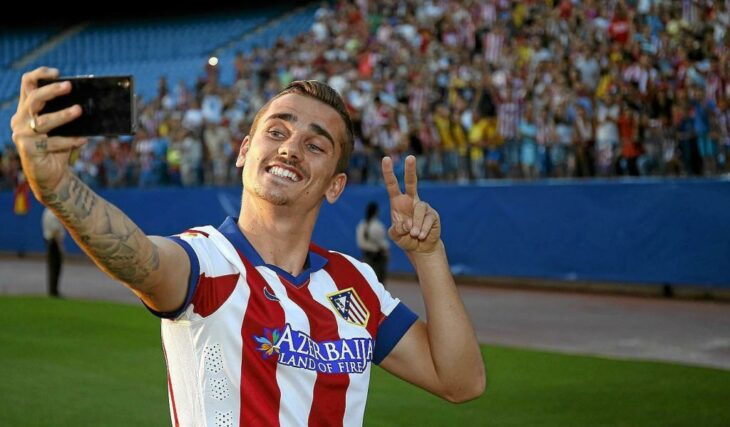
(476, 90)
(172, 48)
(285, 28)
(14, 45)
(149, 50)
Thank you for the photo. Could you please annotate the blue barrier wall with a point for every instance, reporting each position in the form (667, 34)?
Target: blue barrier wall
(652, 232)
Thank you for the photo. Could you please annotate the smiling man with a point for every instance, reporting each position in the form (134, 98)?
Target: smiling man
(259, 325)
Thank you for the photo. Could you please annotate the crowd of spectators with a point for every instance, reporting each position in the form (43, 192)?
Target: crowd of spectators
(475, 89)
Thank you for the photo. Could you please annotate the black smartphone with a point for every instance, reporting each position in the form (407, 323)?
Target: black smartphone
(107, 104)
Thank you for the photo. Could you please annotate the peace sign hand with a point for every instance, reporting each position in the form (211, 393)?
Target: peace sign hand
(416, 226)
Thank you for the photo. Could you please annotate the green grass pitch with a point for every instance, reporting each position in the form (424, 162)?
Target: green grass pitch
(73, 363)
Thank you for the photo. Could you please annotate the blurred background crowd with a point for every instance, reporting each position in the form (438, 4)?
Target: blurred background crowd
(475, 89)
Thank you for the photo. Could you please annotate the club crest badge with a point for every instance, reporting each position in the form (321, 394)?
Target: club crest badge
(349, 306)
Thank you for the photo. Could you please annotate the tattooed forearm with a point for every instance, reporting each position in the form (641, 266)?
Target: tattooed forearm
(121, 246)
(73, 200)
(110, 238)
(83, 198)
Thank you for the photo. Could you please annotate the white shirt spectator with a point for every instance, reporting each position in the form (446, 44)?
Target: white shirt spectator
(319, 29)
(601, 25)
(429, 12)
(384, 33)
(376, 237)
(212, 108)
(193, 119)
(52, 227)
(338, 83)
(590, 70)
(356, 99)
(644, 6)
(192, 157)
(607, 132)
(722, 22)
(409, 33)
(564, 133)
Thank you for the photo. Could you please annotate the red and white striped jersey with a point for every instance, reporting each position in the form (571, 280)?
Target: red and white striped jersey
(254, 345)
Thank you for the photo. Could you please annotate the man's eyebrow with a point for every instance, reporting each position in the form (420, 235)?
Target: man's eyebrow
(319, 130)
(287, 117)
(291, 118)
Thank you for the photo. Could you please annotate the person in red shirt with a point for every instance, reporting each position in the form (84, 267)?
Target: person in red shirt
(628, 134)
(565, 9)
(619, 30)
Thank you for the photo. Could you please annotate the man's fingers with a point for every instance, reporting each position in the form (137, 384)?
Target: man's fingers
(391, 182)
(410, 177)
(419, 212)
(46, 122)
(37, 98)
(401, 228)
(29, 81)
(428, 221)
(396, 231)
(56, 144)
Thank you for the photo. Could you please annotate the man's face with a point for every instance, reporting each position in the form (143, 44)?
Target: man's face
(292, 155)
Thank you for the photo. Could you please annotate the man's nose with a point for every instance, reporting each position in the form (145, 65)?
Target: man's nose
(291, 147)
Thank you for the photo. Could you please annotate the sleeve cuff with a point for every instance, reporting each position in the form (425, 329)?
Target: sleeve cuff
(192, 281)
(391, 330)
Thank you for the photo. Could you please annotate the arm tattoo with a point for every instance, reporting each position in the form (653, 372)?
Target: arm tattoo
(73, 201)
(110, 238)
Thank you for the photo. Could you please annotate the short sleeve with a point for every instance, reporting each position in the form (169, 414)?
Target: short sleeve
(392, 329)
(198, 249)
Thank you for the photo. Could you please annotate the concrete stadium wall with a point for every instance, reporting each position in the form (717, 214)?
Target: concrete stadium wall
(640, 232)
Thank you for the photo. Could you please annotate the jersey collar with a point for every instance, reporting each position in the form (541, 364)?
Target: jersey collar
(230, 230)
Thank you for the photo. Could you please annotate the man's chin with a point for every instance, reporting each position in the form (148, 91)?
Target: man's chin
(277, 198)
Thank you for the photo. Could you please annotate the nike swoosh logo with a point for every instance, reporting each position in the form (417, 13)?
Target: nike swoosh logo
(269, 295)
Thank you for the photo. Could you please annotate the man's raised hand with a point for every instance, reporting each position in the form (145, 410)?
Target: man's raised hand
(415, 225)
(44, 158)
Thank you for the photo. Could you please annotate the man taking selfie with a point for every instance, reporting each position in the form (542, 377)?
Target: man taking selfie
(260, 326)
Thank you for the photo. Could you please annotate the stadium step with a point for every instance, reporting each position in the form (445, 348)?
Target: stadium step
(49, 45)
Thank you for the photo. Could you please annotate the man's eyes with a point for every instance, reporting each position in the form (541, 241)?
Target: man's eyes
(277, 134)
(315, 148)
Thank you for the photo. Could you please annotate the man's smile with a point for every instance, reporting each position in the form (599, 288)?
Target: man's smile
(284, 172)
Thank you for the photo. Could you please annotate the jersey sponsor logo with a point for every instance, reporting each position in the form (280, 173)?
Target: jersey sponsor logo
(295, 348)
(270, 295)
(349, 306)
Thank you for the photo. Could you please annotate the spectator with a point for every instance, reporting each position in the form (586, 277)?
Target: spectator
(528, 148)
(607, 137)
(53, 234)
(584, 141)
(628, 130)
(373, 241)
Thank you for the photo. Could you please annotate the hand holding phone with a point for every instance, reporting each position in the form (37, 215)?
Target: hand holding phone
(107, 104)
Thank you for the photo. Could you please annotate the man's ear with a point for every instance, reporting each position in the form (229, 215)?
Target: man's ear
(241, 159)
(337, 186)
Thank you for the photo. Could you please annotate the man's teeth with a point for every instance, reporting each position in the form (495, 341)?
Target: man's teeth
(276, 170)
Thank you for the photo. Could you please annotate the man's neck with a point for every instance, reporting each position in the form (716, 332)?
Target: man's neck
(280, 235)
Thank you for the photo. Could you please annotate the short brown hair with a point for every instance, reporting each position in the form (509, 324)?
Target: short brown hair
(326, 94)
